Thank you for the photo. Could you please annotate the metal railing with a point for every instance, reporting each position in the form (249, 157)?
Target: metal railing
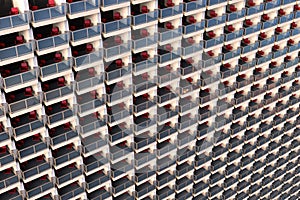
(52, 42)
(116, 25)
(171, 11)
(14, 21)
(23, 104)
(39, 189)
(82, 6)
(56, 68)
(48, 13)
(31, 150)
(57, 93)
(85, 33)
(146, 64)
(144, 18)
(117, 73)
(27, 128)
(65, 158)
(63, 137)
(68, 176)
(16, 51)
(20, 79)
(89, 83)
(117, 50)
(169, 34)
(35, 170)
(144, 42)
(87, 59)
(59, 116)
(91, 105)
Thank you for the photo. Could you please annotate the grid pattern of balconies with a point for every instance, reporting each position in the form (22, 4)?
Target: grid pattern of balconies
(149, 99)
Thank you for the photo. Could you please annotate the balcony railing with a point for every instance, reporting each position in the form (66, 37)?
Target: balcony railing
(249, 48)
(117, 95)
(143, 86)
(166, 97)
(88, 59)
(166, 34)
(122, 133)
(68, 176)
(267, 42)
(171, 11)
(8, 182)
(31, 150)
(143, 106)
(63, 137)
(144, 18)
(143, 125)
(215, 2)
(16, 51)
(185, 51)
(66, 158)
(38, 169)
(165, 132)
(27, 128)
(144, 42)
(117, 73)
(233, 35)
(89, 83)
(147, 64)
(121, 187)
(58, 93)
(20, 79)
(40, 189)
(118, 116)
(272, 4)
(211, 61)
(55, 68)
(252, 29)
(91, 105)
(270, 23)
(71, 193)
(143, 158)
(116, 25)
(144, 141)
(236, 15)
(97, 181)
(85, 33)
(59, 116)
(161, 79)
(52, 42)
(14, 21)
(194, 5)
(169, 56)
(215, 21)
(192, 28)
(255, 9)
(82, 6)
(48, 13)
(232, 54)
(213, 42)
(23, 104)
(107, 3)
(117, 50)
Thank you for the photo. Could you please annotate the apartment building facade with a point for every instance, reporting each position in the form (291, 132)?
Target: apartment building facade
(149, 99)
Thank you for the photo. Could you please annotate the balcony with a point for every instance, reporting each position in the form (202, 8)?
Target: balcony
(115, 50)
(165, 148)
(208, 61)
(141, 42)
(164, 95)
(100, 193)
(187, 67)
(166, 12)
(66, 175)
(14, 23)
(55, 91)
(142, 174)
(141, 104)
(70, 191)
(31, 147)
(164, 114)
(214, 41)
(200, 174)
(234, 35)
(232, 54)
(45, 16)
(114, 26)
(203, 129)
(182, 183)
(189, 49)
(143, 189)
(143, 123)
(92, 144)
(119, 151)
(255, 9)
(206, 96)
(88, 60)
(28, 126)
(200, 160)
(141, 65)
(120, 169)
(144, 158)
(89, 103)
(9, 179)
(165, 56)
(38, 187)
(164, 164)
(96, 180)
(52, 70)
(190, 6)
(90, 125)
(94, 163)
(51, 44)
(215, 166)
(114, 72)
(185, 105)
(165, 131)
(236, 15)
(214, 191)
(116, 113)
(82, 8)
(35, 168)
(195, 27)
(215, 2)
(253, 29)
(164, 193)
(185, 122)
(64, 156)
(272, 4)
(250, 48)
(199, 187)
(185, 138)
(85, 35)
(144, 18)
(269, 23)
(61, 135)
(230, 169)
(121, 185)
(87, 83)
(207, 78)
(58, 115)
(115, 92)
(209, 23)
(117, 133)
(13, 194)
(143, 84)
